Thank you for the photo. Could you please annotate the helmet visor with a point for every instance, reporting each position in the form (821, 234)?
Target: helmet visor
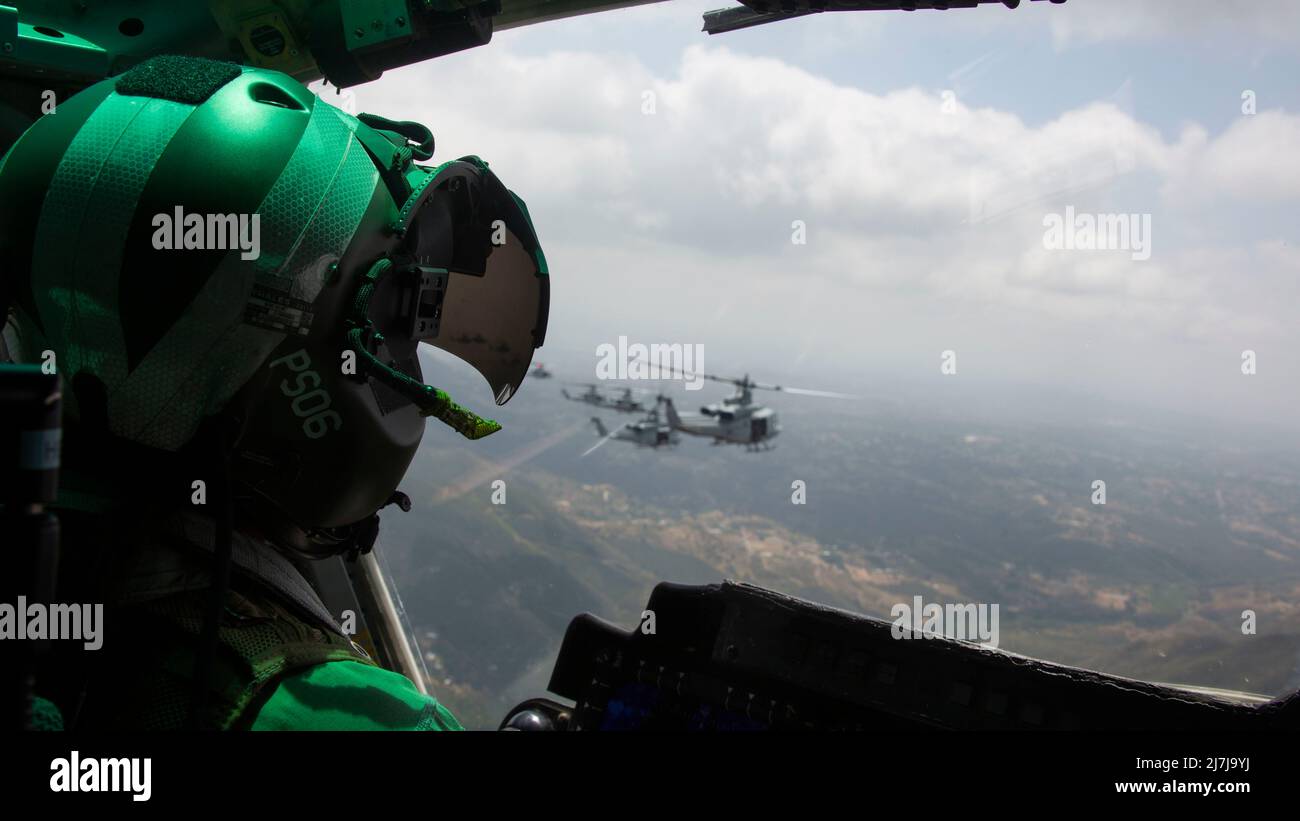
(494, 304)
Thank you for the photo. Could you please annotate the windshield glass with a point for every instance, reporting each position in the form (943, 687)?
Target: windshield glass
(1048, 258)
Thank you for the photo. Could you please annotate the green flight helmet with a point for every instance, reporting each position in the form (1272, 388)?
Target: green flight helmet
(197, 239)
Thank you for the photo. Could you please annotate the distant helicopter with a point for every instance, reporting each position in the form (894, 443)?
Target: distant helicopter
(592, 396)
(539, 371)
(737, 420)
(648, 432)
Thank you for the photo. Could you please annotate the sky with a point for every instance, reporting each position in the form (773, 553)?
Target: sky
(920, 158)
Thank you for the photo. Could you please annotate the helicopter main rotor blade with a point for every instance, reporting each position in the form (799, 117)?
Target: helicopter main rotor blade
(746, 382)
(810, 392)
(714, 377)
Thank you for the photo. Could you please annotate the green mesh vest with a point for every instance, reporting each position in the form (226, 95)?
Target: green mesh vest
(261, 642)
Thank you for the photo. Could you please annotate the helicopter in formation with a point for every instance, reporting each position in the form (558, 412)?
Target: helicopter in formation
(626, 402)
(539, 371)
(735, 420)
(738, 419)
(650, 431)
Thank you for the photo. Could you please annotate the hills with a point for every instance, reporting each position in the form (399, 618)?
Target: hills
(901, 501)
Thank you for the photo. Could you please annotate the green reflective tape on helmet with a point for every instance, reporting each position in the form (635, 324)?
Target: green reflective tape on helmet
(351, 122)
(308, 219)
(328, 170)
(330, 230)
(83, 225)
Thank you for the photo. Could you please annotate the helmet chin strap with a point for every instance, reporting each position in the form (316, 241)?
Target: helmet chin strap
(430, 400)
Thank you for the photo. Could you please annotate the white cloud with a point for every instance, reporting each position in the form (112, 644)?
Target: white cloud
(912, 213)
(1256, 159)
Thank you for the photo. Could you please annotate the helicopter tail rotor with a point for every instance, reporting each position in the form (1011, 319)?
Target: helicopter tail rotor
(674, 421)
(605, 437)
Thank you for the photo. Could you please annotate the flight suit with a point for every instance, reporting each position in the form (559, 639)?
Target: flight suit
(282, 662)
